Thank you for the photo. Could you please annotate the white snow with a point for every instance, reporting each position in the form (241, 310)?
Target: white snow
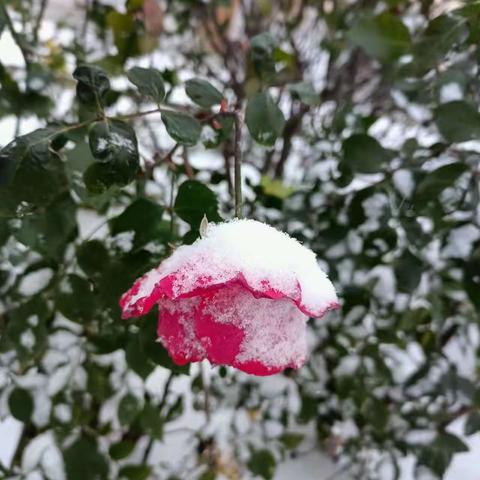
(450, 92)
(274, 329)
(251, 248)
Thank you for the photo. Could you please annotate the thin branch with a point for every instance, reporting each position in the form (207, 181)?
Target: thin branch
(38, 24)
(162, 403)
(238, 165)
(16, 36)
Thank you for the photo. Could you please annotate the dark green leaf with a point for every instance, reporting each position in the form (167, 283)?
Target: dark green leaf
(121, 449)
(182, 127)
(151, 421)
(114, 144)
(49, 232)
(135, 472)
(194, 200)
(438, 455)
(264, 119)
(472, 425)
(92, 85)
(149, 82)
(262, 54)
(75, 298)
(458, 121)
(384, 36)
(436, 181)
(305, 92)
(21, 404)
(128, 409)
(262, 463)
(137, 359)
(92, 257)
(82, 460)
(30, 171)
(408, 270)
(203, 93)
(144, 218)
(364, 154)
(291, 440)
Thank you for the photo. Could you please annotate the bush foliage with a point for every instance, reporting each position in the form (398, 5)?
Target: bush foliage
(358, 125)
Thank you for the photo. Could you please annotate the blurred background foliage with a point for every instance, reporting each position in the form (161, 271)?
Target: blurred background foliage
(360, 131)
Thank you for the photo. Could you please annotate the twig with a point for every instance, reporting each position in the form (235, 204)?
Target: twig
(16, 37)
(162, 403)
(206, 392)
(38, 24)
(238, 165)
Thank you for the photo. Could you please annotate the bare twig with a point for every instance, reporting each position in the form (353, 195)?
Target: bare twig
(38, 23)
(238, 165)
(16, 36)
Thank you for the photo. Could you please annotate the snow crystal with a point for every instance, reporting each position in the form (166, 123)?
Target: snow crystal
(274, 330)
(250, 248)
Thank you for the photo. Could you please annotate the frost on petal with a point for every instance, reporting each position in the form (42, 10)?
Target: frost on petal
(270, 263)
(229, 326)
(176, 330)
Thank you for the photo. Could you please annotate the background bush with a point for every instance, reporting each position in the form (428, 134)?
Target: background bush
(359, 133)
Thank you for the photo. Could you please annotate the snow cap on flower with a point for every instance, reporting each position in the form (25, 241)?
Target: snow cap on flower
(239, 296)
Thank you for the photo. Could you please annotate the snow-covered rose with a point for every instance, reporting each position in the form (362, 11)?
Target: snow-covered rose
(240, 296)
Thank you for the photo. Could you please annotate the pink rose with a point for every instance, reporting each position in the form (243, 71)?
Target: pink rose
(240, 296)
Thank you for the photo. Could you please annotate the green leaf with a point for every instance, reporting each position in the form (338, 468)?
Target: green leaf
(471, 278)
(144, 218)
(128, 409)
(29, 318)
(203, 93)
(82, 460)
(49, 232)
(93, 77)
(262, 463)
(291, 440)
(149, 82)
(264, 119)
(376, 413)
(92, 257)
(262, 54)
(114, 144)
(384, 36)
(92, 85)
(151, 421)
(441, 36)
(304, 92)
(121, 449)
(30, 172)
(438, 455)
(436, 181)
(193, 201)
(135, 472)
(408, 271)
(364, 154)
(137, 359)
(458, 121)
(472, 425)
(183, 128)
(21, 405)
(98, 381)
(75, 298)
(275, 188)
